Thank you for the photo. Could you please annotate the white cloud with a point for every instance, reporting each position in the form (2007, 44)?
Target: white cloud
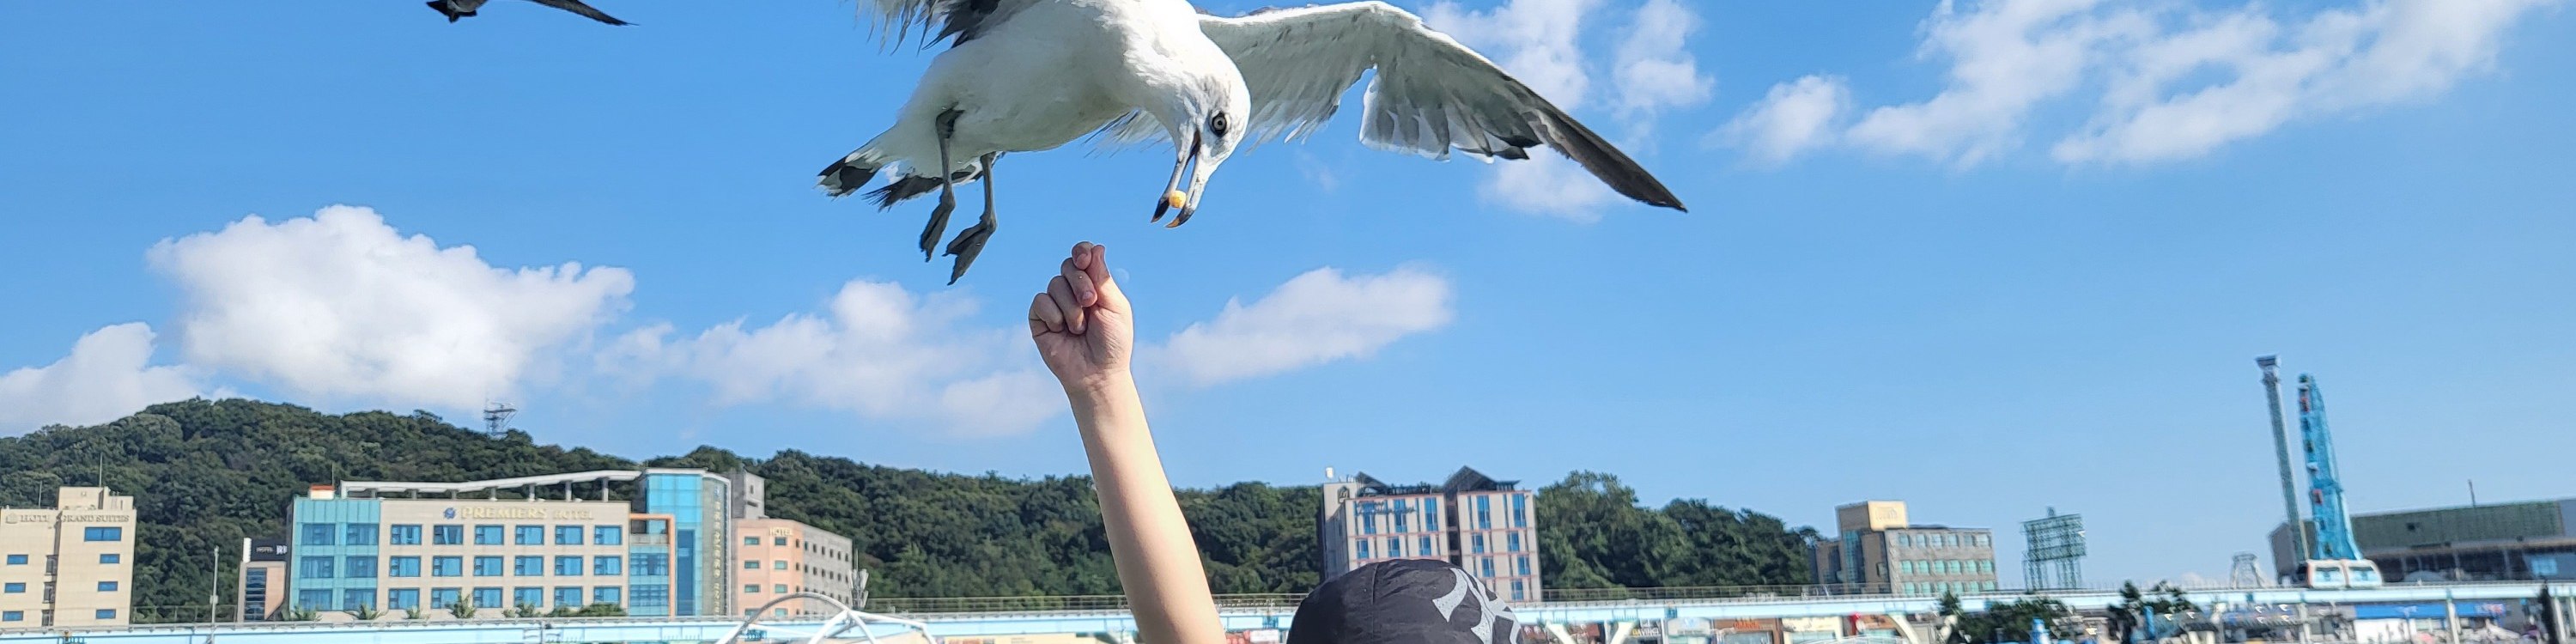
(878, 351)
(107, 376)
(2006, 56)
(342, 306)
(1656, 69)
(2174, 81)
(1541, 43)
(1315, 318)
(2334, 61)
(1794, 117)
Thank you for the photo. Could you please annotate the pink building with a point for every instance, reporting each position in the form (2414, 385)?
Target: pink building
(1480, 524)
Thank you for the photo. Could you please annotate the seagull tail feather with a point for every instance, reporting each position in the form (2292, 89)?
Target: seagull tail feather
(847, 175)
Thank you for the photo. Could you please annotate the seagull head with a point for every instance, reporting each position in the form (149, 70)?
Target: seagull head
(1208, 119)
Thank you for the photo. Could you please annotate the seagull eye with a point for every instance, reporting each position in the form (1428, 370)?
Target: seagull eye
(1217, 124)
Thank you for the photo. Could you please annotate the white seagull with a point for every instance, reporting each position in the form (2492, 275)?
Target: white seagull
(1028, 75)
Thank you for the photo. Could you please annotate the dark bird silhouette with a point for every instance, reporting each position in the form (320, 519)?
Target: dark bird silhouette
(460, 9)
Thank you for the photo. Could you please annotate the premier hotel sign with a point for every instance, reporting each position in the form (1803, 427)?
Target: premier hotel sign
(42, 516)
(477, 512)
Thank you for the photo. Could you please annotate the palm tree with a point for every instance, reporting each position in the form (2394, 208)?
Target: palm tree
(462, 609)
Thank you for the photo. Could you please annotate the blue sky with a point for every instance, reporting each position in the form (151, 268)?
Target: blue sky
(1986, 258)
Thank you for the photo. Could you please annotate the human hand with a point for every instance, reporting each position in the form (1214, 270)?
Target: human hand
(1082, 324)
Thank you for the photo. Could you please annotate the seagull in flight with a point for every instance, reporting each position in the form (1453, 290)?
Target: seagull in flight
(460, 9)
(1031, 75)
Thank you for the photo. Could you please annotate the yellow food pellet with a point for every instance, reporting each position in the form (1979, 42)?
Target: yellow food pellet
(1174, 198)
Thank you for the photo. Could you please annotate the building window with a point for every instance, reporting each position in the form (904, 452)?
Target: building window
(1368, 518)
(487, 566)
(751, 589)
(1514, 539)
(353, 598)
(358, 568)
(528, 535)
(1910, 588)
(488, 597)
(567, 535)
(1524, 565)
(13, 616)
(1484, 513)
(315, 534)
(567, 566)
(777, 541)
(107, 586)
(14, 587)
(103, 534)
(751, 564)
(403, 535)
(1402, 513)
(778, 588)
(648, 565)
(1426, 547)
(1395, 546)
(313, 568)
(528, 566)
(751, 541)
(107, 613)
(778, 565)
(402, 566)
(1431, 514)
(402, 599)
(115, 558)
(1520, 510)
(1520, 591)
(447, 566)
(1488, 566)
(313, 599)
(17, 560)
(607, 535)
(568, 596)
(1476, 544)
(445, 597)
(447, 535)
(358, 534)
(606, 565)
(528, 596)
(605, 594)
(1364, 553)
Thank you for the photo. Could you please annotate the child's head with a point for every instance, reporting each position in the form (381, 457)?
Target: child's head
(1406, 601)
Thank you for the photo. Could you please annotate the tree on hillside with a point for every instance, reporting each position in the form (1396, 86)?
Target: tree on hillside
(1594, 534)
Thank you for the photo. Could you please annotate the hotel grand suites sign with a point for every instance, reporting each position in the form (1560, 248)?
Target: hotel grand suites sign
(49, 516)
(517, 512)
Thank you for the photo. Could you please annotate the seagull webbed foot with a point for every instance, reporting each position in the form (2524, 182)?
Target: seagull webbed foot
(938, 224)
(970, 243)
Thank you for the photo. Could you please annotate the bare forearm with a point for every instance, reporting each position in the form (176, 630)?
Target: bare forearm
(1158, 564)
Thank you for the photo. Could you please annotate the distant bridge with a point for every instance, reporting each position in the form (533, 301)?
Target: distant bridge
(1264, 612)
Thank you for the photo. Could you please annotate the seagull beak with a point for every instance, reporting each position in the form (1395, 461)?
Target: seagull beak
(1172, 195)
(1200, 168)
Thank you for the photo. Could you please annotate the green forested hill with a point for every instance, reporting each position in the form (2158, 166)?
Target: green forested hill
(206, 474)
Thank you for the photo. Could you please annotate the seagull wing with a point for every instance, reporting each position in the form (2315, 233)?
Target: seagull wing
(585, 10)
(959, 19)
(1431, 94)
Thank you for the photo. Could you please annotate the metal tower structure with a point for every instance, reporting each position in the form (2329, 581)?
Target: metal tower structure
(2054, 559)
(2242, 573)
(2325, 485)
(2281, 449)
(496, 418)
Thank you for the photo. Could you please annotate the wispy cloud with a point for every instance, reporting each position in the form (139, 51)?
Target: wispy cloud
(1318, 317)
(1794, 117)
(2166, 80)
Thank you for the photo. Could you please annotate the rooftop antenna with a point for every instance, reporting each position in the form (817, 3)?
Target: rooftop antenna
(496, 417)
